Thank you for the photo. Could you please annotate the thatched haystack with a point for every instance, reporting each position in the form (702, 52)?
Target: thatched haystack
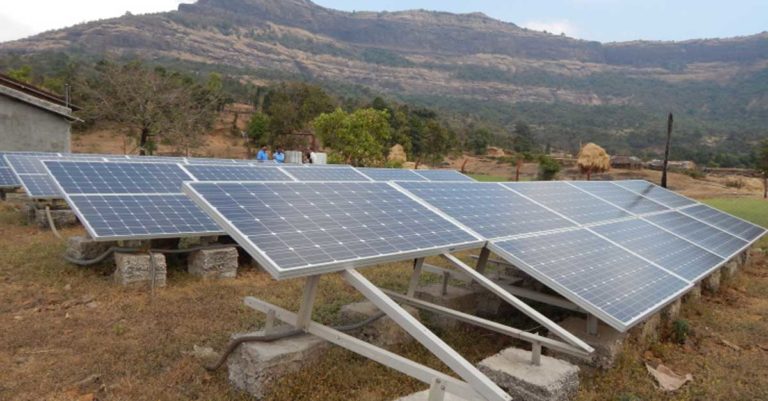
(593, 159)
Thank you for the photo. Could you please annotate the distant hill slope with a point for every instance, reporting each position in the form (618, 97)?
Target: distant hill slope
(570, 90)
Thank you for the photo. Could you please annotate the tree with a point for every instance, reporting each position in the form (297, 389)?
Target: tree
(258, 129)
(22, 74)
(358, 138)
(292, 107)
(762, 165)
(525, 141)
(478, 140)
(548, 168)
(152, 104)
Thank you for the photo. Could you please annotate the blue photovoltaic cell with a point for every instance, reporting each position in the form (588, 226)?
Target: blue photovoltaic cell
(656, 193)
(302, 228)
(723, 244)
(391, 174)
(488, 209)
(666, 250)
(621, 197)
(569, 201)
(141, 216)
(155, 159)
(7, 179)
(740, 228)
(29, 164)
(117, 178)
(40, 186)
(237, 173)
(325, 174)
(443, 175)
(595, 274)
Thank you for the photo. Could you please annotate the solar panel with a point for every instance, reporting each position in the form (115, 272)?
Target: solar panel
(390, 174)
(301, 228)
(569, 201)
(29, 164)
(302, 173)
(156, 159)
(666, 250)
(723, 244)
(77, 177)
(608, 281)
(488, 209)
(656, 193)
(203, 160)
(129, 200)
(237, 173)
(40, 186)
(443, 175)
(114, 217)
(621, 197)
(738, 227)
(7, 178)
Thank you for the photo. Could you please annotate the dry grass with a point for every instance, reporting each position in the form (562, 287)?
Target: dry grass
(61, 324)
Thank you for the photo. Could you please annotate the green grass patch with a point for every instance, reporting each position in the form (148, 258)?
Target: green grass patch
(488, 178)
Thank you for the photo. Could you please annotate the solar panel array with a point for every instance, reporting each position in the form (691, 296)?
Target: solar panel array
(125, 200)
(304, 228)
(596, 238)
(306, 174)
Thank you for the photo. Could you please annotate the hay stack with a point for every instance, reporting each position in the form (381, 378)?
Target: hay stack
(397, 154)
(593, 159)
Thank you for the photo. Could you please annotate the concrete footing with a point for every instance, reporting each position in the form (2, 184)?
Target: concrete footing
(552, 380)
(84, 248)
(461, 299)
(253, 367)
(383, 332)
(608, 343)
(694, 295)
(136, 269)
(60, 217)
(646, 332)
(730, 269)
(214, 263)
(711, 283)
(671, 312)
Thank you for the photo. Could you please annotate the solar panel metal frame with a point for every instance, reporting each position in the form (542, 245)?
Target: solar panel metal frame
(280, 274)
(94, 234)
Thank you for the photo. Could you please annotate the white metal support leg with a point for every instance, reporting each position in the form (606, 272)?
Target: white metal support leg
(436, 391)
(517, 303)
(479, 382)
(415, 276)
(307, 302)
(536, 354)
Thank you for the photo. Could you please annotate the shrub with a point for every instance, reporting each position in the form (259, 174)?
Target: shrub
(548, 168)
(680, 330)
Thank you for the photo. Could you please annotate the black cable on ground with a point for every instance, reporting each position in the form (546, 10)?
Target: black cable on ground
(232, 346)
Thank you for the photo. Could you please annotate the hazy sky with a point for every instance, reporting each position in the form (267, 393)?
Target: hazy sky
(603, 20)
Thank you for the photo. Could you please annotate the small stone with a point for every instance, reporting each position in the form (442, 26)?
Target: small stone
(67, 287)
(92, 305)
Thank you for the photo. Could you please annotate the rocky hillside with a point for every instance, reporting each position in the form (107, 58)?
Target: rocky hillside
(570, 89)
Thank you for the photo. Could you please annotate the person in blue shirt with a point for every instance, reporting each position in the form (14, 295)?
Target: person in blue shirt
(263, 155)
(279, 155)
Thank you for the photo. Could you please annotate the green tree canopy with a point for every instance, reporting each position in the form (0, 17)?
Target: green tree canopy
(479, 140)
(358, 138)
(292, 107)
(525, 141)
(258, 129)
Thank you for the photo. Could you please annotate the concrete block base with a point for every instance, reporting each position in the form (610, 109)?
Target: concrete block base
(711, 283)
(694, 295)
(214, 263)
(730, 269)
(646, 332)
(383, 332)
(461, 299)
(672, 312)
(511, 369)
(84, 248)
(136, 269)
(191, 242)
(61, 218)
(253, 367)
(608, 343)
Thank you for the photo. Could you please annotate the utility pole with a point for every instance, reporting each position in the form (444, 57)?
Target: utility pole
(666, 152)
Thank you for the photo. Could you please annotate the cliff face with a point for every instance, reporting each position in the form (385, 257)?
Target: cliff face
(435, 56)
